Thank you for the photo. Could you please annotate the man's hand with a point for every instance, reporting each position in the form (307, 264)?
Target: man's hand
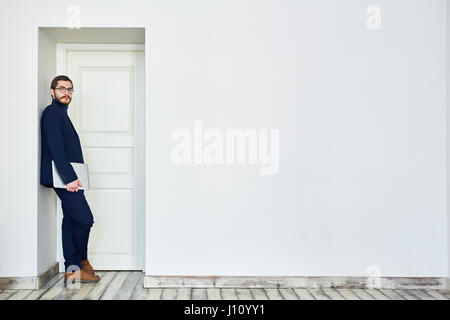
(73, 186)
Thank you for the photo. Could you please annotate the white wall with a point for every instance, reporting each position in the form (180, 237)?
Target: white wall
(362, 176)
(18, 164)
(46, 210)
(448, 135)
(361, 114)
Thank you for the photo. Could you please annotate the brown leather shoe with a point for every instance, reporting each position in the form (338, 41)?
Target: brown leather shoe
(80, 275)
(86, 266)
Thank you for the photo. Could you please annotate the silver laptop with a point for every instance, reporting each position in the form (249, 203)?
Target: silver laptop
(81, 169)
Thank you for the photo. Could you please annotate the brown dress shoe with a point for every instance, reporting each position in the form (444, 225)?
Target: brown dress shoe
(86, 266)
(80, 275)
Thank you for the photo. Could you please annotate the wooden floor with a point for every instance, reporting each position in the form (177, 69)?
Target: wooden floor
(127, 285)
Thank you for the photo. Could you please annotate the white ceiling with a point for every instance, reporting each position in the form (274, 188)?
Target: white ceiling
(96, 35)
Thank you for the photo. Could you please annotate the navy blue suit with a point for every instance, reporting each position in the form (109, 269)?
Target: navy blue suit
(60, 143)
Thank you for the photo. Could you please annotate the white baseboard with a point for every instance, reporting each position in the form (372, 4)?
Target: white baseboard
(294, 282)
(29, 282)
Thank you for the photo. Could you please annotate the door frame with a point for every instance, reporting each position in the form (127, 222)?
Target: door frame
(61, 68)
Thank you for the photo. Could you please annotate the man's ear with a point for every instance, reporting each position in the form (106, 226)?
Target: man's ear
(52, 93)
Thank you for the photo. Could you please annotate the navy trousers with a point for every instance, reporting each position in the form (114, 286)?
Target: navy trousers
(76, 225)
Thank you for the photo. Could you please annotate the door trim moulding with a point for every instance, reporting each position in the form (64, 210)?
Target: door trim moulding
(62, 48)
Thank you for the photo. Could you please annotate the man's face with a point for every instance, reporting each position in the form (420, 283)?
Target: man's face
(62, 97)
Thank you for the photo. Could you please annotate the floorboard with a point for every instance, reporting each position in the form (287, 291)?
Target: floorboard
(128, 285)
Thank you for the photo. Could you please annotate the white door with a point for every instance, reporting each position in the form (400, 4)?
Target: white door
(108, 112)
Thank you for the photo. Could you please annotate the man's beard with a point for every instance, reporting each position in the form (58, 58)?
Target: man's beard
(65, 101)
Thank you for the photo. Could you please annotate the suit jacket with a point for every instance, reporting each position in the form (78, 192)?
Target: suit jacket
(60, 143)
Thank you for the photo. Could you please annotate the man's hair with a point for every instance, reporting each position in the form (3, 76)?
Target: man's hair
(59, 78)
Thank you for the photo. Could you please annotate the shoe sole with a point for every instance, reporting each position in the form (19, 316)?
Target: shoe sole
(83, 281)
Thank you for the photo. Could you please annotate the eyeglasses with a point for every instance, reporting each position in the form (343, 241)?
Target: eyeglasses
(63, 90)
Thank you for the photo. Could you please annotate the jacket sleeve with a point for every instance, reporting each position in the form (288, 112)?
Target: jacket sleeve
(53, 132)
